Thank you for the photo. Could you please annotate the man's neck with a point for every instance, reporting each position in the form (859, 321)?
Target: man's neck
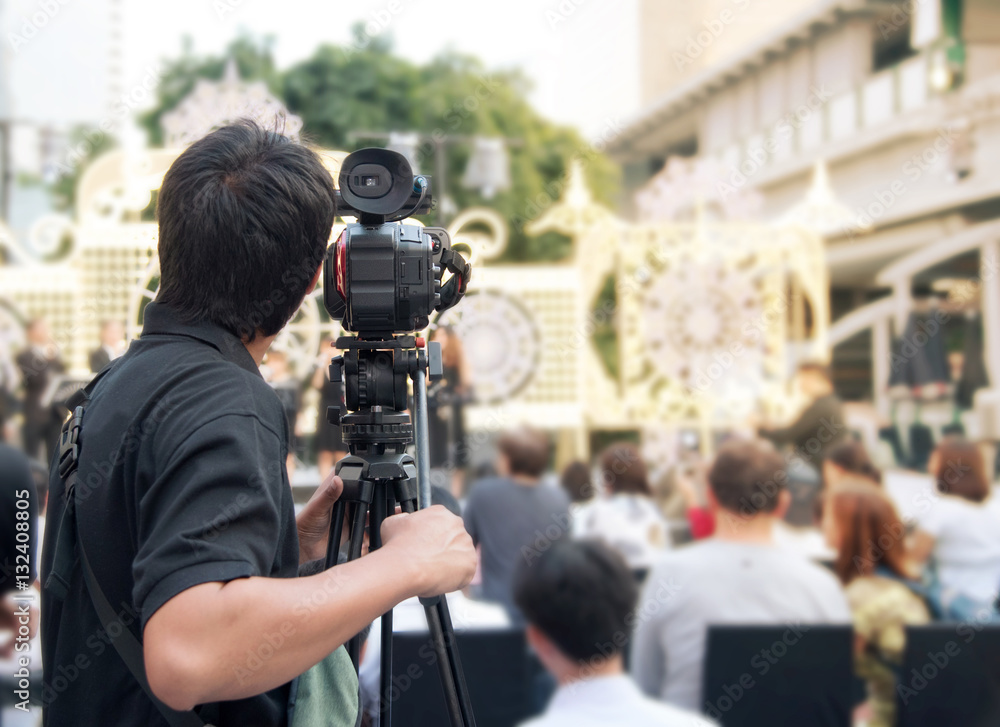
(524, 480)
(615, 666)
(739, 528)
(258, 346)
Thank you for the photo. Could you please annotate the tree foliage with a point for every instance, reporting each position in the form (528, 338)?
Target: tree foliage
(342, 92)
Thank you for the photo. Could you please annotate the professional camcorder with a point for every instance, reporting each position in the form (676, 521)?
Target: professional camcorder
(381, 276)
(383, 279)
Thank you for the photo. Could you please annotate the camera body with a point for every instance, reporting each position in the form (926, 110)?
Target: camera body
(382, 277)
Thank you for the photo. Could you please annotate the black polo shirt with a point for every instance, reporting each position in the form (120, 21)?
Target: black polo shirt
(182, 481)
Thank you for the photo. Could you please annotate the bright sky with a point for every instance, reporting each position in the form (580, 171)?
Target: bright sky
(581, 54)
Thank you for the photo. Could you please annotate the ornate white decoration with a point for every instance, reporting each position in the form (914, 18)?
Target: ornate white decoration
(48, 234)
(480, 232)
(821, 211)
(694, 316)
(216, 103)
(501, 341)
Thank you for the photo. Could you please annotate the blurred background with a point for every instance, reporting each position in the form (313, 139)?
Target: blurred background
(676, 211)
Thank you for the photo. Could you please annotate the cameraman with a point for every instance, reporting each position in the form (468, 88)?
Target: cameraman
(183, 501)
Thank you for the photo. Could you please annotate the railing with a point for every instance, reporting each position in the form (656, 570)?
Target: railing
(884, 96)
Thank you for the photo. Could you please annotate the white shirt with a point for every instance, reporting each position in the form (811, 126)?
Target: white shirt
(630, 524)
(614, 700)
(967, 544)
(722, 582)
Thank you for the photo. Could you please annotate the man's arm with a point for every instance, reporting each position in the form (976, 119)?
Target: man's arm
(807, 424)
(204, 644)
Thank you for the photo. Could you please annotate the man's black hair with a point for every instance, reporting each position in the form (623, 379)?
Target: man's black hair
(580, 595)
(245, 216)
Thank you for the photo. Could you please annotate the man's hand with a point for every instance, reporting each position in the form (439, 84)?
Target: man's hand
(437, 544)
(313, 522)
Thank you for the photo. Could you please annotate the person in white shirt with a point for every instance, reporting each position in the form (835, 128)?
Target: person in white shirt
(958, 531)
(738, 576)
(626, 518)
(579, 599)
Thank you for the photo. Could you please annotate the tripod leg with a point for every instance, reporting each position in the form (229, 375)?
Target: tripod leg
(336, 530)
(452, 700)
(357, 541)
(376, 517)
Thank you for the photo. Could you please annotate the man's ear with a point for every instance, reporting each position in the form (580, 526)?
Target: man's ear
(784, 502)
(315, 280)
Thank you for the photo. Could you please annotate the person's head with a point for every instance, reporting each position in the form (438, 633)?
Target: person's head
(575, 479)
(244, 217)
(958, 469)
(523, 453)
(813, 379)
(749, 478)
(849, 459)
(862, 525)
(577, 598)
(37, 332)
(623, 470)
(112, 333)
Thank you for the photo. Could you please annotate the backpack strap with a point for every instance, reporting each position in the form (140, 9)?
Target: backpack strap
(69, 545)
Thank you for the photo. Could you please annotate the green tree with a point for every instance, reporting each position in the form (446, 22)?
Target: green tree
(341, 92)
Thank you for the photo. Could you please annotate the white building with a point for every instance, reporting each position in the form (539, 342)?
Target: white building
(902, 102)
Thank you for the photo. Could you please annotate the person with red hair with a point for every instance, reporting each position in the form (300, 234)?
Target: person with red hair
(862, 525)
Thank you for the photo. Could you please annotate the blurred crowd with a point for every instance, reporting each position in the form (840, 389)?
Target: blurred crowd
(615, 578)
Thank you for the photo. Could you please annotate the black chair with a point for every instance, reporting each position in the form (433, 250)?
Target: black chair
(761, 676)
(497, 671)
(950, 676)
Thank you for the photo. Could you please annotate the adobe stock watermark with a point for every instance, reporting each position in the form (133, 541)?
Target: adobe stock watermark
(129, 102)
(375, 24)
(553, 191)
(783, 131)
(753, 331)
(761, 663)
(886, 197)
(32, 25)
(558, 14)
(713, 28)
(900, 18)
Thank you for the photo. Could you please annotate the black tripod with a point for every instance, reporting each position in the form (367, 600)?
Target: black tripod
(378, 475)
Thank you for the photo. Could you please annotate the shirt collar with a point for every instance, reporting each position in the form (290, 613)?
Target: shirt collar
(161, 319)
(599, 690)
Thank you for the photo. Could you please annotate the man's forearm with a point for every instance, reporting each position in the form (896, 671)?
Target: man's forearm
(235, 640)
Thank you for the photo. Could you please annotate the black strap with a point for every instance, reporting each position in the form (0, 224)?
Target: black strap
(125, 642)
(461, 271)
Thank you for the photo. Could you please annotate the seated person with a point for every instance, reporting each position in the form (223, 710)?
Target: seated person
(738, 576)
(848, 460)
(625, 517)
(514, 516)
(959, 532)
(856, 517)
(578, 598)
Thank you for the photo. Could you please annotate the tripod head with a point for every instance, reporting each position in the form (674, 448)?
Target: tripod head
(374, 372)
